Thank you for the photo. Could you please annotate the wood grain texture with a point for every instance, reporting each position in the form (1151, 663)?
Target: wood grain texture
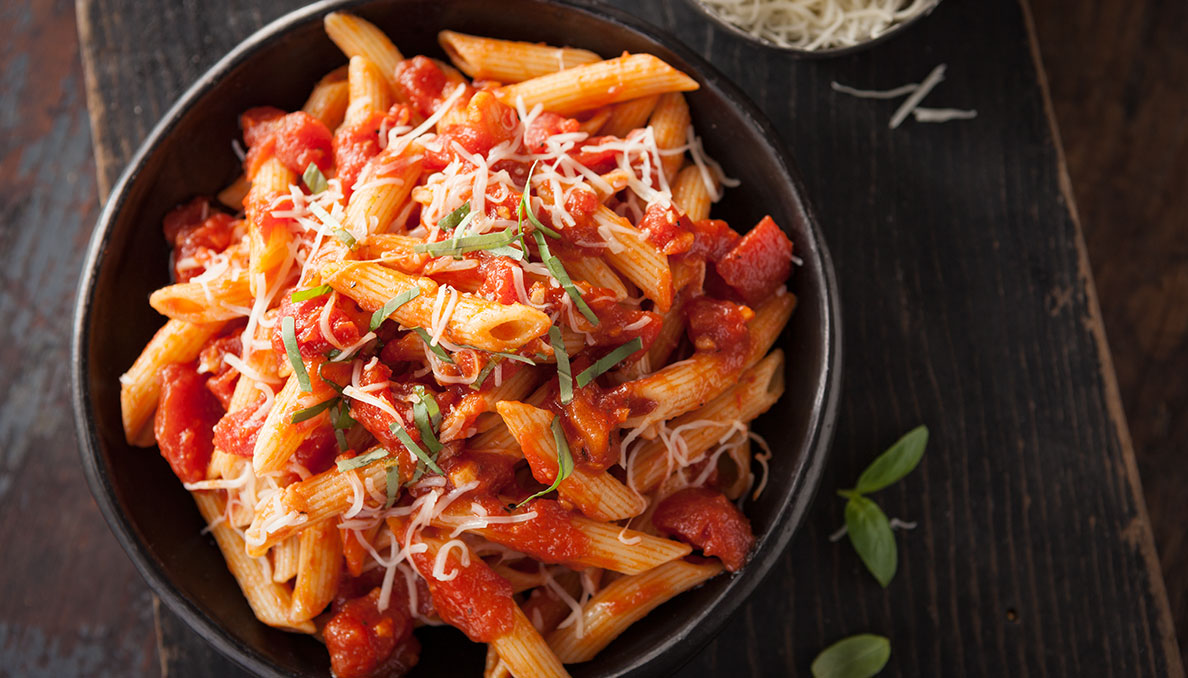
(968, 306)
(1123, 113)
(56, 618)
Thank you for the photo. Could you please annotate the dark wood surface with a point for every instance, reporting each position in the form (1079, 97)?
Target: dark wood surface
(967, 307)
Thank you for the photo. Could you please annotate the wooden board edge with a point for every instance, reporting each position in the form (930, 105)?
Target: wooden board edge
(96, 108)
(1144, 538)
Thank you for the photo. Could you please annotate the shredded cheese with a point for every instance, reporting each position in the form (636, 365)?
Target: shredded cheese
(817, 24)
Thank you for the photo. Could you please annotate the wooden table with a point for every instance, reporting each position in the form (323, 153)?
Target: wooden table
(968, 305)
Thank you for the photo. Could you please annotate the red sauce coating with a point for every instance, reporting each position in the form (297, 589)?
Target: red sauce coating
(667, 229)
(356, 144)
(296, 139)
(186, 412)
(197, 232)
(237, 431)
(492, 471)
(366, 643)
(307, 326)
(378, 422)
(716, 325)
(210, 360)
(477, 601)
(484, 123)
(758, 263)
(600, 160)
(549, 537)
(546, 125)
(712, 239)
(707, 520)
(421, 82)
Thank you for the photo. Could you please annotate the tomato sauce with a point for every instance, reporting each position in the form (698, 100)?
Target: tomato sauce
(210, 360)
(550, 536)
(758, 263)
(367, 643)
(197, 232)
(296, 139)
(236, 432)
(186, 412)
(343, 321)
(356, 144)
(483, 123)
(545, 125)
(706, 519)
(668, 229)
(477, 601)
(422, 83)
(719, 326)
(378, 422)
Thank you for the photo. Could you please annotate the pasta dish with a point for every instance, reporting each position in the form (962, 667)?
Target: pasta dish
(464, 346)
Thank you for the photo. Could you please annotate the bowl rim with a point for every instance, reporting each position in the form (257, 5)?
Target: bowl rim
(788, 515)
(810, 54)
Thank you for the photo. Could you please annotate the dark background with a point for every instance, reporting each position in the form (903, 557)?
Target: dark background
(70, 602)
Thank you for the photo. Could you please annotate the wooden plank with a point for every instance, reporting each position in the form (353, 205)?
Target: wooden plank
(1121, 111)
(968, 306)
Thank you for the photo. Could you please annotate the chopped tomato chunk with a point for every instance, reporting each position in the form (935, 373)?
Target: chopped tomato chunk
(296, 139)
(706, 519)
(186, 412)
(758, 263)
(367, 643)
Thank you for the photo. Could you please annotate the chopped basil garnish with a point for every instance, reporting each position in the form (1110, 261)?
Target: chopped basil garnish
(311, 293)
(564, 461)
(405, 439)
(336, 228)
(564, 374)
(311, 412)
(289, 336)
(437, 350)
(450, 221)
(459, 245)
(608, 361)
(392, 480)
(557, 270)
(361, 460)
(425, 426)
(314, 179)
(492, 363)
(525, 208)
(390, 307)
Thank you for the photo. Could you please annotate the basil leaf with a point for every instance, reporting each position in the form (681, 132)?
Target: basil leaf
(311, 412)
(467, 243)
(437, 350)
(526, 207)
(564, 461)
(381, 314)
(403, 436)
(492, 363)
(311, 293)
(430, 403)
(425, 427)
(860, 656)
(608, 361)
(872, 538)
(557, 270)
(420, 471)
(361, 460)
(329, 382)
(450, 221)
(895, 463)
(564, 374)
(392, 481)
(314, 179)
(289, 336)
(336, 228)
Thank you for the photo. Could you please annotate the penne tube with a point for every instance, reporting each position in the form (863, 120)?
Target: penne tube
(360, 38)
(615, 548)
(311, 501)
(379, 194)
(206, 302)
(521, 581)
(515, 387)
(267, 248)
(670, 122)
(395, 251)
(508, 61)
(526, 653)
(475, 321)
(758, 389)
(690, 193)
(318, 569)
(597, 272)
(269, 600)
(622, 603)
(598, 495)
(368, 91)
(284, 559)
(597, 84)
(176, 342)
(687, 385)
(628, 115)
(279, 438)
(329, 98)
(639, 261)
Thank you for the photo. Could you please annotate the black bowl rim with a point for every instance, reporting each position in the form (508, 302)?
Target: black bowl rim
(793, 506)
(811, 53)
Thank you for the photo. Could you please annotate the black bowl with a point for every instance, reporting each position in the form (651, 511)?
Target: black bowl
(811, 53)
(189, 152)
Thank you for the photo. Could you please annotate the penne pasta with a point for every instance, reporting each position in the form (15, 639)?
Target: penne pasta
(506, 60)
(598, 84)
(628, 115)
(670, 121)
(360, 38)
(317, 571)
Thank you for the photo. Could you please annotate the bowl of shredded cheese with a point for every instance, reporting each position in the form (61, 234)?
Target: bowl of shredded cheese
(816, 28)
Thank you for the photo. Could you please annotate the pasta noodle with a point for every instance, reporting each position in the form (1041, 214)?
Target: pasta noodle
(462, 371)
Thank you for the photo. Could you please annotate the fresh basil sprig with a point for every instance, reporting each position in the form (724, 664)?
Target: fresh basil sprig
(869, 530)
(860, 656)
